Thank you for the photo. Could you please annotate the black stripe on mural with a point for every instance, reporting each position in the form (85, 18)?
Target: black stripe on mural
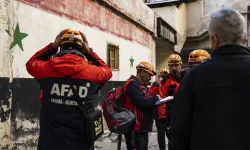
(4, 99)
(26, 96)
(25, 105)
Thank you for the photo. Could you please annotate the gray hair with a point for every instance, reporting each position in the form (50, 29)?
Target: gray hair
(229, 25)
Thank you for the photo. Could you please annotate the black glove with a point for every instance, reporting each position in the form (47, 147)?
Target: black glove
(90, 58)
(47, 55)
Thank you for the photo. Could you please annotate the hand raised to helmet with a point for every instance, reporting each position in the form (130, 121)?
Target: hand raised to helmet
(59, 38)
(85, 43)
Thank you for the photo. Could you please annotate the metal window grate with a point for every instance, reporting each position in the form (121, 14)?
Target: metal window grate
(113, 56)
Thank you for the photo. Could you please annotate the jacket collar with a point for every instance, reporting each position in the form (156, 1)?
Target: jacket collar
(136, 79)
(231, 49)
(65, 52)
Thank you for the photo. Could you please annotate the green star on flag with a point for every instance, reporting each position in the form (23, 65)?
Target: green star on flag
(18, 37)
(131, 61)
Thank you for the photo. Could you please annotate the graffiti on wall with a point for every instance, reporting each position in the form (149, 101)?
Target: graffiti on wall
(17, 37)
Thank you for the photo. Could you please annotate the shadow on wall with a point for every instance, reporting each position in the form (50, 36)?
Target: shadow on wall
(25, 108)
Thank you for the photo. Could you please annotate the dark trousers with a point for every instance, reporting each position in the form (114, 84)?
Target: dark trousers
(162, 131)
(138, 141)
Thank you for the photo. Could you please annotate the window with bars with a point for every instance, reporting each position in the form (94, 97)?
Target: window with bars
(113, 56)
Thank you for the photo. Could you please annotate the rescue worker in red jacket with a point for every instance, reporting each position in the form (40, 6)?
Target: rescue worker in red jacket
(154, 88)
(198, 56)
(168, 87)
(61, 120)
(160, 123)
(137, 100)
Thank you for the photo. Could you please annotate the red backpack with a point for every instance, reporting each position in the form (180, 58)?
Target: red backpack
(119, 119)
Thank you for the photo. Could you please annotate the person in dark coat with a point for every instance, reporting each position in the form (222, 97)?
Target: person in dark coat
(138, 101)
(62, 123)
(211, 109)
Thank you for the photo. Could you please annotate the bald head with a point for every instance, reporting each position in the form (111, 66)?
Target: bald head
(228, 27)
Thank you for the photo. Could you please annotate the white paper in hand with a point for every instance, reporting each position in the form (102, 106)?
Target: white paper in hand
(164, 100)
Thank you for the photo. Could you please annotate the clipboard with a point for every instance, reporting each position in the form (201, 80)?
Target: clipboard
(164, 100)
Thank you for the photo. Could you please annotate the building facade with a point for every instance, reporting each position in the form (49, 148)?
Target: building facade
(118, 34)
(190, 18)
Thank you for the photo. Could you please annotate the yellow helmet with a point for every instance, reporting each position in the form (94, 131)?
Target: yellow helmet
(72, 36)
(164, 72)
(147, 67)
(197, 57)
(174, 59)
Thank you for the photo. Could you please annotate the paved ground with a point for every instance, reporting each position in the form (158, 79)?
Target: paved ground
(110, 143)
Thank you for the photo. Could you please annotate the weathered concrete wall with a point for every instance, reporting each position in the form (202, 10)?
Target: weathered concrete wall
(90, 13)
(6, 22)
(204, 43)
(198, 14)
(197, 22)
(181, 26)
(133, 42)
(6, 12)
(191, 19)
(162, 58)
(175, 17)
(136, 10)
(33, 25)
(168, 14)
(194, 13)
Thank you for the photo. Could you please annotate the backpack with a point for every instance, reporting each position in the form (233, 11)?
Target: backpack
(118, 118)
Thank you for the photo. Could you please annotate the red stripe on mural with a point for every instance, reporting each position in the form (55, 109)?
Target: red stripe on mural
(92, 14)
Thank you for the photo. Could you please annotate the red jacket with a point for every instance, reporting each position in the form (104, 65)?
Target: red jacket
(168, 87)
(137, 100)
(61, 121)
(154, 89)
(68, 65)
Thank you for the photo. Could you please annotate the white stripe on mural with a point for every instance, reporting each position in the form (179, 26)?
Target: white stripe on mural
(42, 28)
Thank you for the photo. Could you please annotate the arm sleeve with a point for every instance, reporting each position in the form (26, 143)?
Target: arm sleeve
(35, 64)
(153, 90)
(94, 58)
(163, 89)
(138, 98)
(99, 67)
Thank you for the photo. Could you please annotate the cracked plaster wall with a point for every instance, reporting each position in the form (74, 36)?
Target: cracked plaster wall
(136, 10)
(6, 22)
(175, 17)
(198, 13)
